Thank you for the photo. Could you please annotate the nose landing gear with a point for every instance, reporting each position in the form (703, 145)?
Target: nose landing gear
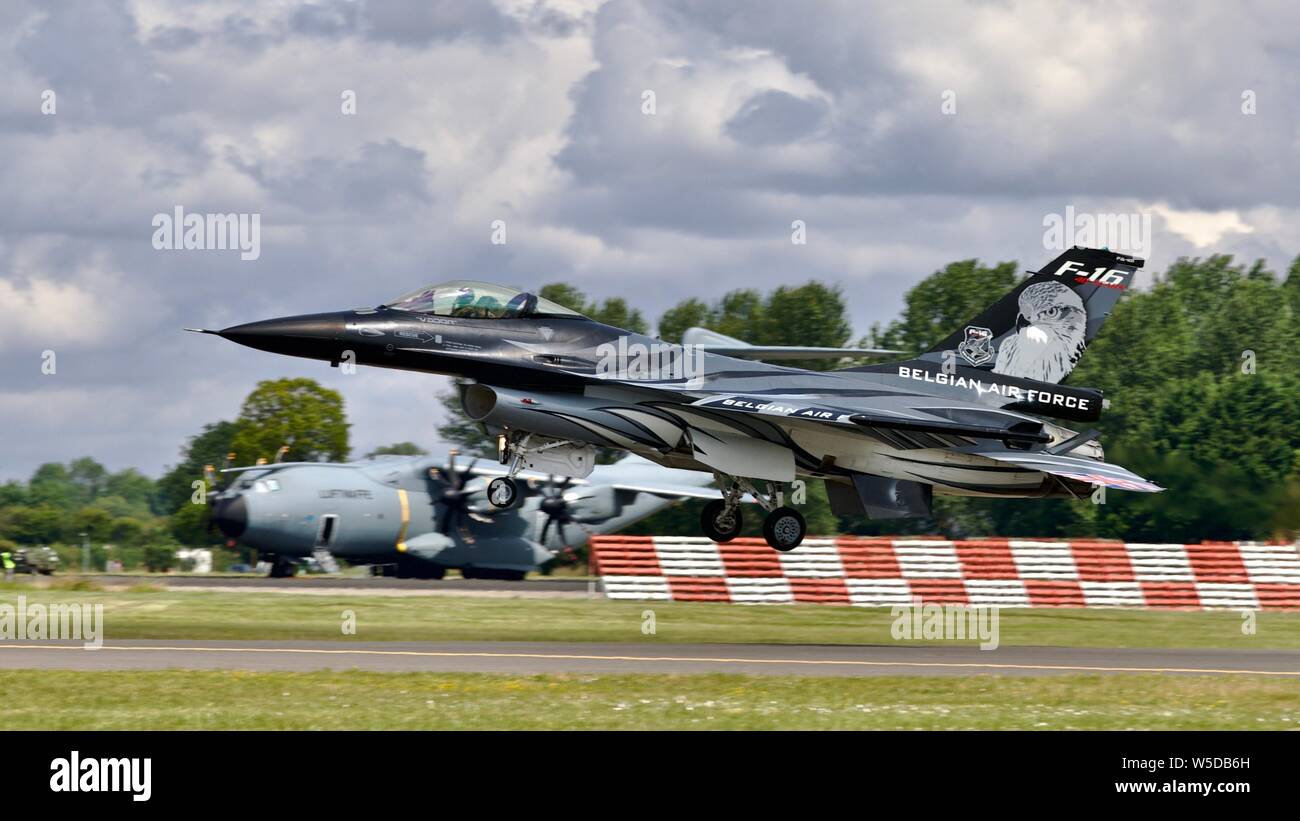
(555, 456)
(502, 492)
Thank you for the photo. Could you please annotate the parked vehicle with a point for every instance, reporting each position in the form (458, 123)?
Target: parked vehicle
(42, 560)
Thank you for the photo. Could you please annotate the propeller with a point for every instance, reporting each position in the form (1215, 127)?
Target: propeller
(455, 498)
(210, 495)
(215, 490)
(557, 509)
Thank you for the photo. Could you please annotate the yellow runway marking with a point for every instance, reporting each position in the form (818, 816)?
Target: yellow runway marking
(698, 659)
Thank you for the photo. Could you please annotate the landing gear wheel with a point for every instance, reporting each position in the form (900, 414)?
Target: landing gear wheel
(283, 569)
(408, 568)
(502, 492)
(784, 528)
(717, 525)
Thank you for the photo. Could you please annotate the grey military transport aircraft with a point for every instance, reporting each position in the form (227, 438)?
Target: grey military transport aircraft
(415, 517)
(969, 417)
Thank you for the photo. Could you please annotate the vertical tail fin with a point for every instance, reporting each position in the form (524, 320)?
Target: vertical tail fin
(1041, 328)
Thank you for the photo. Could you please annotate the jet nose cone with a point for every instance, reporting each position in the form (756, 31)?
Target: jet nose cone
(231, 516)
(308, 326)
(310, 335)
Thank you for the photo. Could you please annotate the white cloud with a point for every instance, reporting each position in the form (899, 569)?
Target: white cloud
(56, 312)
(1203, 229)
(52, 296)
(531, 112)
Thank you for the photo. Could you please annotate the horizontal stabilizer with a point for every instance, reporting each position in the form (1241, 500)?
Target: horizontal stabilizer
(1072, 467)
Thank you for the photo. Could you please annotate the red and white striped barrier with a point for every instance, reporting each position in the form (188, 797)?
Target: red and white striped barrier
(1008, 572)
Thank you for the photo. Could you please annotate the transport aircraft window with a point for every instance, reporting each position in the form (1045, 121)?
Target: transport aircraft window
(478, 300)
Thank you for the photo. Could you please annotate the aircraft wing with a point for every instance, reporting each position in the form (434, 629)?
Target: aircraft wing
(968, 423)
(775, 353)
(680, 491)
(714, 342)
(278, 465)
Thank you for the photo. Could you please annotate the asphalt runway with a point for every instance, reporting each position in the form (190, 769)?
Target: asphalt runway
(577, 657)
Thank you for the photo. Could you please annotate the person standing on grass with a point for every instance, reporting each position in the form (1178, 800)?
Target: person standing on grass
(7, 560)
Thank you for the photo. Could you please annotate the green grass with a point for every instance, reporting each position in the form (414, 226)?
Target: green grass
(174, 700)
(177, 614)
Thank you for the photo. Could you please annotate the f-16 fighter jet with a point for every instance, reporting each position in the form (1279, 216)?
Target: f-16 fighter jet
(969, 417)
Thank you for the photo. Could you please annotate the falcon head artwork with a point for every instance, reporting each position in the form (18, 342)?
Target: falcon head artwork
(1049, 337)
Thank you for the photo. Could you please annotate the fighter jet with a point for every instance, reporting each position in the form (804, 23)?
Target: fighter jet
(418, 516)
(972, 416)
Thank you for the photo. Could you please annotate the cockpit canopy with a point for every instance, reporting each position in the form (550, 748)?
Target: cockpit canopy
(478, 300)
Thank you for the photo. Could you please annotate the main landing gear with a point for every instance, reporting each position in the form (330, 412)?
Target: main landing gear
(783, 528)
(719, 523)
(282, 568)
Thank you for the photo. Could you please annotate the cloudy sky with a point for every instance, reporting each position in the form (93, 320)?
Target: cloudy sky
(904, 135)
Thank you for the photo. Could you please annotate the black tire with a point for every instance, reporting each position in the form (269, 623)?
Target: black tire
(283, 569)
(409, 568)
(716, 530)
(784, 529)
(502, 492)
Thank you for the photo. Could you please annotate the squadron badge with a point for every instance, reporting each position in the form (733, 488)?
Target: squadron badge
(977, 347)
